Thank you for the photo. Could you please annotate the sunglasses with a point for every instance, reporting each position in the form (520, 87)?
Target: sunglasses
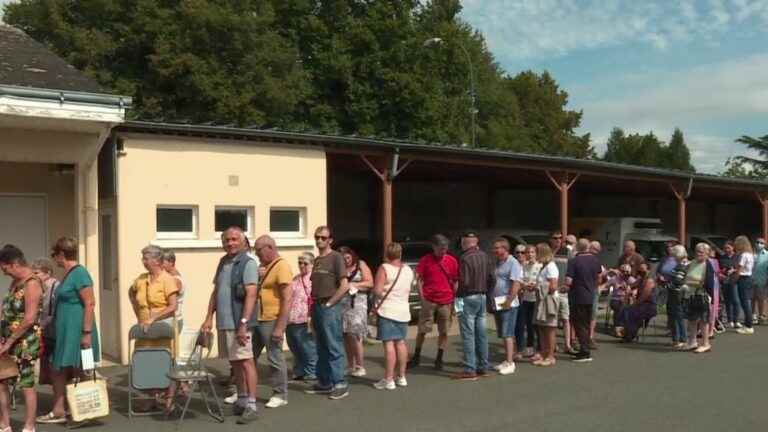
(303, 263)
(323, 238)
(556, 238)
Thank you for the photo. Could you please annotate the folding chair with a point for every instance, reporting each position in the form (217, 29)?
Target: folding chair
(193, 373)
(149, 367)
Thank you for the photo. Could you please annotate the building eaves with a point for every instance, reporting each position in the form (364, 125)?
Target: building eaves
(457, 152)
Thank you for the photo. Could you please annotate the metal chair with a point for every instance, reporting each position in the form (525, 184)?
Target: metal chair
(149, 366)
(193, 373)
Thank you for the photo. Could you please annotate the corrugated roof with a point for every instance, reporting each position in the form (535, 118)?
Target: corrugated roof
(458, 152)
(27, 63)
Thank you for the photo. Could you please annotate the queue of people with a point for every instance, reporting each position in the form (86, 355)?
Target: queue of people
(323, 312)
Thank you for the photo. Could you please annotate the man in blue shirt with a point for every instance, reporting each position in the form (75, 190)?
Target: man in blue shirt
(504, 302)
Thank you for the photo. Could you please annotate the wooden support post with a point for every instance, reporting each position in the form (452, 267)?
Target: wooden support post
(563, 186)
(763, 198)
(682, 225)
(387, 176)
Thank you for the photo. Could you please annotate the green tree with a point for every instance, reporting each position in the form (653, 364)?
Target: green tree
(648, 150)
(337, 66)
(734, 167)
(678, 154)
(757, 145)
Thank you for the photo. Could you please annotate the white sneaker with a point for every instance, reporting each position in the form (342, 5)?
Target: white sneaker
(500, 366)
(746, 331)
(231, 399)
(384, 384)
(401, 381)
(732, 325)
(358, 372)
(508, 369)
(276, 402)
(738, 325)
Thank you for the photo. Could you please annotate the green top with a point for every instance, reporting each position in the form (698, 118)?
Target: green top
(69, 320)
(694, 278)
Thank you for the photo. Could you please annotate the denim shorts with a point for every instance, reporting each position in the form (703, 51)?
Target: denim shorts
(391, 330)
(505, 322)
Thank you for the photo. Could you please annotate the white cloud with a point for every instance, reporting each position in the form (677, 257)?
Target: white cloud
(702, 98)
(528, 29)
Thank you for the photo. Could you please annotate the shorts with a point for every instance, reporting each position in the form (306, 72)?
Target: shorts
(391, 330)
(431, 312)
(563, 307)
(506, 321)
(230, 350)
(759, 291)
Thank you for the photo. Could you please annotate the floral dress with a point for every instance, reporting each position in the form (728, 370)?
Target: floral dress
(27, 348)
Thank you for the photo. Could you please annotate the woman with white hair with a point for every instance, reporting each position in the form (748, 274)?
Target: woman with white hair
(154, 296)
(674, 279)
(297, 334)
(698, 293)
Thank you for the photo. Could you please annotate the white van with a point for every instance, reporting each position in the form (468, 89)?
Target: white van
(647, 233)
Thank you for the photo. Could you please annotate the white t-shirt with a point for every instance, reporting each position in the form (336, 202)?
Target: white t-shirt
(549, 271)
(746, 263)
(396, 306)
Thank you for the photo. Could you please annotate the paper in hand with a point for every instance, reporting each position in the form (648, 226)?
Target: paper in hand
(86, 357)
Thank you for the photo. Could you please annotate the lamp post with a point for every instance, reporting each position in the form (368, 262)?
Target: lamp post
(472, 97)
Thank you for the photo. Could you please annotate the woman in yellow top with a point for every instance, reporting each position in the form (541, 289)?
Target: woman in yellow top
(154, 299)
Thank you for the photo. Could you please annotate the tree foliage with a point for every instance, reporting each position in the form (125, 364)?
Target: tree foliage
(757, 145)
(336, 66)
(735, 167)
(648, 150)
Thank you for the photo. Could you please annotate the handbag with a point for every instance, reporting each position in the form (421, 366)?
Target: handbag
(8, 368)
(374, 314)
(88, 399)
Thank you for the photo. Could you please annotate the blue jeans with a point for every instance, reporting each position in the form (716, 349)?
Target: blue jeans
(473, 337)
(331, 358)
(302, 345)
(676, 316)
(731, 296)
(744, 287)
(525, 332)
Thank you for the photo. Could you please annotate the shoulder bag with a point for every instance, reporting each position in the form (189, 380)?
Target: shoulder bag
(374, 314)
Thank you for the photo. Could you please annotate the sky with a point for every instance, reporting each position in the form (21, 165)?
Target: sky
(644, 65)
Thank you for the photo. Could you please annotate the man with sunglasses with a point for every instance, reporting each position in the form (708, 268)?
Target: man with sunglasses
(329, 285)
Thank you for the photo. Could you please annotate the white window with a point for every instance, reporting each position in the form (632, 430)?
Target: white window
(228, 216)
(176, 222)
(287, 221)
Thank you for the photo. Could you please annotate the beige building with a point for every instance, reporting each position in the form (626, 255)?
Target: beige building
(180, 192)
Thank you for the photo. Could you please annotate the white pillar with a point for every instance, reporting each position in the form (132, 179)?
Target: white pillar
(87, 216)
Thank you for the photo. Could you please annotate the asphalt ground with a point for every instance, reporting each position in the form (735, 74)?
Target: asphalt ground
(638, 387)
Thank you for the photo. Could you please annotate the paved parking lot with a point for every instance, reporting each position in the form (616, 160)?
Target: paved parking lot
(639, 387)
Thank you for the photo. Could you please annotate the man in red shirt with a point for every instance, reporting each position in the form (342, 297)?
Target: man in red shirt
(437, 274)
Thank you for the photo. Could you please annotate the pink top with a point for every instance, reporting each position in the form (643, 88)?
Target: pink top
(301, 298)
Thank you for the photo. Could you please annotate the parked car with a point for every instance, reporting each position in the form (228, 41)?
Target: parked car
(513, 236)
(370, 251)
(715, 241)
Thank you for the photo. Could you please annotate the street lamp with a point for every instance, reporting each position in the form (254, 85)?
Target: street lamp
(472, 97)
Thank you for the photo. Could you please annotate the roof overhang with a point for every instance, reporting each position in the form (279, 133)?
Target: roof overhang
(62, 105)
(371, 146)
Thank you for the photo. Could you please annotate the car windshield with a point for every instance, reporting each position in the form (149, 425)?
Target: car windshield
(718, 241)
(534, 239)
(414, 252)
(651, 250)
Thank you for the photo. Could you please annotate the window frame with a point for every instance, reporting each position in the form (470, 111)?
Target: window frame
(301, 233)
(185, 235)
(249, 219)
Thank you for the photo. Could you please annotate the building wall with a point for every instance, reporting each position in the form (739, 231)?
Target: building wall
(166, 170)
(43, 179)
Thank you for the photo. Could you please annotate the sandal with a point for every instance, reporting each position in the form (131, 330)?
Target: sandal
(51, 418)
(703, 349)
